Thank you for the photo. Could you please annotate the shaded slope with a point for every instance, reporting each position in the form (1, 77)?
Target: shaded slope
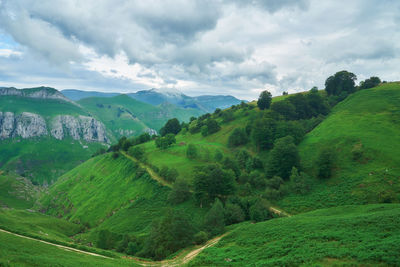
(367, 122)
(354, 235)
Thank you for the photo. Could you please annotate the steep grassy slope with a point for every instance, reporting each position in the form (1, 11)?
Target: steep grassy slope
(108, 193)
(350, 235)
(43, 160)
(38, 225)
(124, 115)
(17, 251)
(366, 122)
(16, 192)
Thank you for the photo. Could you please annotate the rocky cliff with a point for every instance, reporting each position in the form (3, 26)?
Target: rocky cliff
(28, 125)
(38, 92)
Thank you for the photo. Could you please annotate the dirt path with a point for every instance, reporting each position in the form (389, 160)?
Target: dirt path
(279, 212)
(153, 175)
(182, 258)
(56, 245)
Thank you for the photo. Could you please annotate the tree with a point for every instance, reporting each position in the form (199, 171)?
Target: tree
(238, 137)
(173, 232)
(212, 181)
(283, 157)
(218, 156)
(233, 214)
(137, 152)
(263, 133)
(325, 163)
(169, 174)
(214, 221)
(342, 81)
(180, 192)
(370, 83)
(171, 127)
(264, 100)
(166, 141)
(211, 127)
(285, 108)
(259, 211)
(298, 181)
(191, 151)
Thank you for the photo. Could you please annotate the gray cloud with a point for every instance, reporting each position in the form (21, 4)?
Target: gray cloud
(201, 46)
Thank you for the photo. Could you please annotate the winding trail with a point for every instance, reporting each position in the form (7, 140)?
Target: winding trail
(56, 245)
(153, 175)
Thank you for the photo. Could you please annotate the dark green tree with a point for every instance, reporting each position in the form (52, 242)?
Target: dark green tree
(238, 137)
(166, 141)
(214, 222)
(171, 127)
(342, 81)
(370, 83)
(263, 133)
(259, 211)
(173, 232)
(264, 100)
(285, 108)
(298, 181)
(283, 157)
(191, 151)
(137, 152)
(211, 181)
(233, 214)
(325, 162)
(180, 192)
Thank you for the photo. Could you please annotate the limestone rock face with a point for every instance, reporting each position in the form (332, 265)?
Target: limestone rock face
(81, 127)
(28, 125)
(25, 125)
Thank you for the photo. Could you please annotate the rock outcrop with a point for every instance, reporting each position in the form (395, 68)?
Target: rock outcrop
(39, 92)
(28, 125)
(81, 127)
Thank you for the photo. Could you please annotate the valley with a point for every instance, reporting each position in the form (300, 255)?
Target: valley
(208, 191)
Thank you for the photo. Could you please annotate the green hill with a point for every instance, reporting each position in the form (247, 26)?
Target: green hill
(366, 126)
(113, 194)
(124, 115)
(344, 236)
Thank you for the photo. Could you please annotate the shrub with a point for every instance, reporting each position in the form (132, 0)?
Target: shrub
(214, 221)
(233, 214)
(325, 163)
(180, 192)
(137, 152)
(200, 237)
(191, 151)
(237, 138)
(259, 211)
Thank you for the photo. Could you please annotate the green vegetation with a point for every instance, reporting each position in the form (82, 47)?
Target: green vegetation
(348, 235)
(43, 160)
(16, 192)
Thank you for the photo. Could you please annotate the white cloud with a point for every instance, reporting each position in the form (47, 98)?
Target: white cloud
(200, 46)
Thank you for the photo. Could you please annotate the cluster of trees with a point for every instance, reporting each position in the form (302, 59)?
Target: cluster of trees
(165, 141)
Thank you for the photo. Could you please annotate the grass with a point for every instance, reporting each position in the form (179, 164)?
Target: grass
(17, 251)
(367, 120)
(16, 192)
(366, 235)
(104, 193)
(38, 225)
(43, 160)
(124, 115)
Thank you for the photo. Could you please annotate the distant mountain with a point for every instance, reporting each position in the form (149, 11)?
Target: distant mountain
(155, 97)
(76, 95)
(205, 103)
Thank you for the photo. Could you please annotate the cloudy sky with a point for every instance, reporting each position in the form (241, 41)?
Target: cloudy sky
(199, 47)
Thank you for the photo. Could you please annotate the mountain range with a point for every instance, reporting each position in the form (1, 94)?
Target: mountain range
(204, 103)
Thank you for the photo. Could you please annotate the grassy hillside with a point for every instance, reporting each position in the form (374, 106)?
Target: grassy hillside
(350, 235)
(108, 193)
(44, 107)
(124, 115)
(17, 251)
(16, 192)
(43, 160)
(367, 122)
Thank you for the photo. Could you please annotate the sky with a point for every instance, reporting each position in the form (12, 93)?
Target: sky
(199, 47)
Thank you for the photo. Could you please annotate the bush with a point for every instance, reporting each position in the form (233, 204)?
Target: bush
(166, 141)
(137, 152)
(233, 214)
(325, 163)
(171, 127)
(237, 138)
(214, 221)
(298, 181)
(180, 192)
(169, 174)
(115, 155)
(282, 158)
(191, 151)
(260, 211)
(200, 238)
